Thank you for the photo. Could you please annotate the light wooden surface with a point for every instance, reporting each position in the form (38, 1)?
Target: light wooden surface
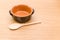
(46, 11)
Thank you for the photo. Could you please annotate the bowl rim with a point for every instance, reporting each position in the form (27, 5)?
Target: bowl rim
(22, 5)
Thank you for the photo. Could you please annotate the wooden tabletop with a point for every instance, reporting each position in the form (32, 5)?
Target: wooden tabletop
(46, 11)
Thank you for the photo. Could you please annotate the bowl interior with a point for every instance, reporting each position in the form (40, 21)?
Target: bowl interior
(21, 8)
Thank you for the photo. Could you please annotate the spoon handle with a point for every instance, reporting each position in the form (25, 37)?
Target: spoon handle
(33, 23)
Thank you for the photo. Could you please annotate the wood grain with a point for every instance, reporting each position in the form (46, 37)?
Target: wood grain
(46, 11)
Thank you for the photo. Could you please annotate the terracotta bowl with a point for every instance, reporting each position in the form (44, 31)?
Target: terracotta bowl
(21, 19)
